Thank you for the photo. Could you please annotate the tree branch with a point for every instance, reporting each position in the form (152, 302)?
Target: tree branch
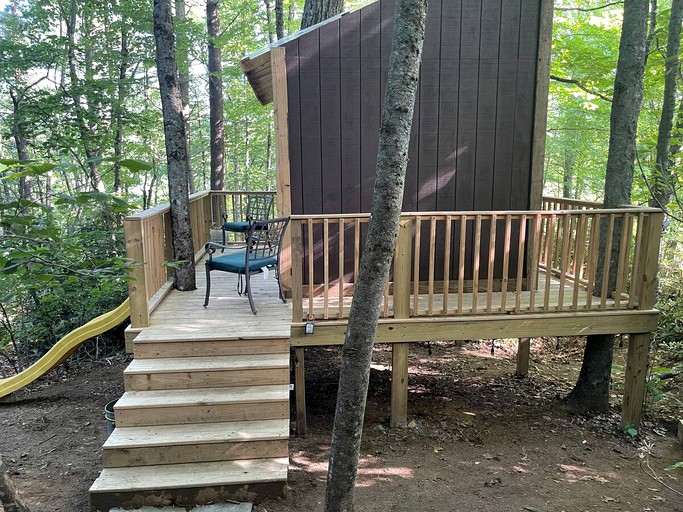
(580, 86)
(588, 9)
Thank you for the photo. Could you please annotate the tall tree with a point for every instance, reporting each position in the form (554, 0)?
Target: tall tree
(216, 121)
(279, 19)
(316, 11)
(662, 183)
(392, 160)
(184, 78)
(591, 392)
(176, 146)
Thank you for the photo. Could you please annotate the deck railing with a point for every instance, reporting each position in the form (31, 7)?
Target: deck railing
(565, 203)
(454, 263)
(148, 244)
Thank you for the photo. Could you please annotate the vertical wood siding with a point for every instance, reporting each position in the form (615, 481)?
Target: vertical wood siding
(470, 146)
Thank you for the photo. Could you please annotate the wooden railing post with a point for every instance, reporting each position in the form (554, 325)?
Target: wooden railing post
(639, 343)
(137, 287)
(399, 356)
(297, 271)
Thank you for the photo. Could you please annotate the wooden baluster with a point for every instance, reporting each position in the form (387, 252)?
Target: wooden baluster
(416, 267)
(579, 255)
(608, 262)
(311, 259)
(475, 276)
(326, 268)
(491, 262)
(356, 251)
(341, 268)
(622, 266)
(520, 263)
(432, 256)
(536, 251)
(564, 260)
(446, 265)
(549, 267)
(506, 263)
(461, 261)
(592, 258)
(637, 252)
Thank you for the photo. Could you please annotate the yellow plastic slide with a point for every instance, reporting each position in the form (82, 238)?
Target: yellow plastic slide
(64, 348)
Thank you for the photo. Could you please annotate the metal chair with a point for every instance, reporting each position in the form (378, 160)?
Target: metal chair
(262, 251)
(259, 207)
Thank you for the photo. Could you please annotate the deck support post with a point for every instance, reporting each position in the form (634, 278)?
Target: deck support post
(639, 343)
(523, 352)
(399, 351)
(399, 385)
(300, 391)
(634, 383)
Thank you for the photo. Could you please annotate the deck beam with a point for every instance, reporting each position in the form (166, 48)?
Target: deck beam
(391, 330)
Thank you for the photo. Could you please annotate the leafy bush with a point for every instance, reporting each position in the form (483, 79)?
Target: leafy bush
(60, 267)
(669, 333)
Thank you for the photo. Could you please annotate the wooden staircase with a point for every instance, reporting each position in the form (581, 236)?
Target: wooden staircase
(202, 420)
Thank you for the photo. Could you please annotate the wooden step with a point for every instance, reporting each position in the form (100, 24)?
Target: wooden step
(177, 444)
(189, 484)
(150, 347)
(207, 372)
(178, 406)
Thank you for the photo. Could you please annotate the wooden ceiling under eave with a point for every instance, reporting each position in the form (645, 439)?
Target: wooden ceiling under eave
(258, 72)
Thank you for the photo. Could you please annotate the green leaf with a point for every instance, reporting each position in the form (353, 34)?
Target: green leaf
(678, 465)
(135, 165)
(13, 161)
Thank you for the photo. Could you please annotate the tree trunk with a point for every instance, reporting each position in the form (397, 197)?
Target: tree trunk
(184, 81)
(118, 113)
(316, 11)
(279, 19)
(217, 143)
(662, 183)
(568, 175)
(90, 152)
(591, 392)
(25, 188)
(176, 146)
(392, 159)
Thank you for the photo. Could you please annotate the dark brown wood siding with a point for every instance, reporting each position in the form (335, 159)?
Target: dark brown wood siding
(471, 141)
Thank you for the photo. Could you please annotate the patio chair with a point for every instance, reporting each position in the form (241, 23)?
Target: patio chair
(258, 208)
(262, 251)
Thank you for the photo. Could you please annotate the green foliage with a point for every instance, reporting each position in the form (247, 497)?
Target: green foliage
(669, 333)
(60, 266)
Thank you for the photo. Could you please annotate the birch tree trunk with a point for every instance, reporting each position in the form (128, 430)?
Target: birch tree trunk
(392, 160)
(591, 392)
(176, 146)
(213, 26)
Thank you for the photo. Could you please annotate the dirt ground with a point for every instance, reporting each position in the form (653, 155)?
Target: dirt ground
(514, 450)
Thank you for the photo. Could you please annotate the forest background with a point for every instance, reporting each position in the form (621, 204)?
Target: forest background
(81, 142)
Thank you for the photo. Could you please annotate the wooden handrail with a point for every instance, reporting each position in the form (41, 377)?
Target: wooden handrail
(502, 262)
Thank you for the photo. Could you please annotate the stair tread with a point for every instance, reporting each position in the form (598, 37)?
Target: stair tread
(190, 475)
(206, 396)
(192, 433)
(212, 363)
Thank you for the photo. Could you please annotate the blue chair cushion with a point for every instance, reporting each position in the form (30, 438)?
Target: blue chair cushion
(235, 263)
(236, 227)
